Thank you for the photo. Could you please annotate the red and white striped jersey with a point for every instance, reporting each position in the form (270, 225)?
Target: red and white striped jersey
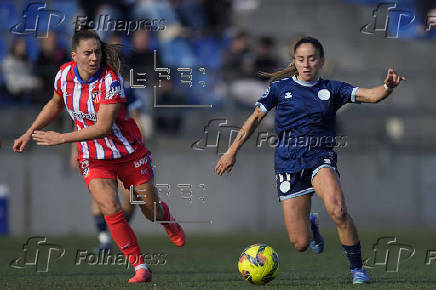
(82, 101)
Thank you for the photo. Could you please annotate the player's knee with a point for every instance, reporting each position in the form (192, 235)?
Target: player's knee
(301, 247)
(339, 215)
(110, 207)
(300, 244)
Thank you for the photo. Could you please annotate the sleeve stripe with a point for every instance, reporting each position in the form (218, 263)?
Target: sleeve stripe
(353, 94)
(107, 85)
(57, 83)
(261, 106)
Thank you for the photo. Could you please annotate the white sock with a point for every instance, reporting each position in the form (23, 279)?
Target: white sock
(141, 266)
(104, 237)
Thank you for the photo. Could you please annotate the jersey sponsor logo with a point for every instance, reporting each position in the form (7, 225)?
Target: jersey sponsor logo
(115, 89)
(84, 166)
(324, 95)
(141, 162)
(81, 116)
(288, 95)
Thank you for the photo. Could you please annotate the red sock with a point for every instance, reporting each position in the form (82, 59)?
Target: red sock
(125, 238)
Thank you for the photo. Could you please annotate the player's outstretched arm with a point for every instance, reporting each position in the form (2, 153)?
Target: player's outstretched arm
(47, 114)
(379, 93)
(227, 161)
(105, 118)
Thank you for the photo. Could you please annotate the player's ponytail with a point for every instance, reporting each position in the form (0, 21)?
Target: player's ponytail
(291, 70)
(111, 53)
(112, 56)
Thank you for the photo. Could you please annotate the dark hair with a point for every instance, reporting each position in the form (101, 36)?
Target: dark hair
(111, 55)
(315, 42)
(13, 48)
(291, 70)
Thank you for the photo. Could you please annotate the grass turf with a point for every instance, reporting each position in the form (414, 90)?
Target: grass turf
(210, 262)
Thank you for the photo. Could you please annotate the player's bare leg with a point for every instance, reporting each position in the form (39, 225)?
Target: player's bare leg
(147, 193)
(327, 186)
(296, 215)
(156, 210)
(104, 192)
(128, 207)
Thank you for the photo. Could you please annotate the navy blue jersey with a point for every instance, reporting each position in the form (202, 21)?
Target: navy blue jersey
(305, 119)
(132, 102)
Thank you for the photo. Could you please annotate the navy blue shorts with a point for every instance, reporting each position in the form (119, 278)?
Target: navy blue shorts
(295, 184)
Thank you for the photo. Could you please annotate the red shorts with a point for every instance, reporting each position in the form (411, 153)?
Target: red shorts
(134, 169)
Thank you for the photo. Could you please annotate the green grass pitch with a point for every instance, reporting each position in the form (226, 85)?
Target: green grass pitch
(210, 262)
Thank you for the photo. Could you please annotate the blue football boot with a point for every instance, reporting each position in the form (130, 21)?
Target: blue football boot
(360, 276)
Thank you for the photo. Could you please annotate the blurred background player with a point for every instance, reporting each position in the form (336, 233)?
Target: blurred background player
(306, 107)
(109, 144)
(19, 74)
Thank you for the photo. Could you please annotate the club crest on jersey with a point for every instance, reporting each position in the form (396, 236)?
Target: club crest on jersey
(115, 89)
(285, 186)
(324, 95)
(95, 96)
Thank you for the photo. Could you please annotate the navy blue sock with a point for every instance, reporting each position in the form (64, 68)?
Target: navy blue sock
(128, 216)
(315, 232)
(354, 255)
(100, 223)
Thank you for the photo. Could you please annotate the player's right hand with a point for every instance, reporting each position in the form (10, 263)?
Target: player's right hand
(21, 143)
(393, 79)
(225, 163)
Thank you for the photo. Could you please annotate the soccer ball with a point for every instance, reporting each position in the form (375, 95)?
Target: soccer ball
(259, 264)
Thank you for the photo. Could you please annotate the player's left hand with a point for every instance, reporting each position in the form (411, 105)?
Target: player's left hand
(393, 79)
(48, 138)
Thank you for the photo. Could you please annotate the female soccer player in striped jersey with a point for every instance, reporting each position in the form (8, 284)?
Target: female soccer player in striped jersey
(105, 240)
(306, 108)
(109, 144)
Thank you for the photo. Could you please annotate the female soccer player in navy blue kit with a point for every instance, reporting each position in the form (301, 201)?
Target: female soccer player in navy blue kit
(305, 162)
